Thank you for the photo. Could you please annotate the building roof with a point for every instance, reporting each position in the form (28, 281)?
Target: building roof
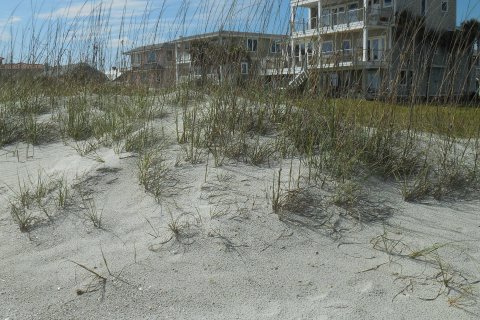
(22, 66)
(230, 34)
(164, 45)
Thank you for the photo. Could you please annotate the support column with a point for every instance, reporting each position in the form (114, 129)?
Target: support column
(365, 47)
(175, 59)
(320, 27)
(292, 42)
(365, 31)
(319, 18)
(221, 66)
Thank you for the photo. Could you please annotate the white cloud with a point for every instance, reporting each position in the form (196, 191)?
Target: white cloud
(90, 8)
(4, 27)
(5, 36)
(9, 21)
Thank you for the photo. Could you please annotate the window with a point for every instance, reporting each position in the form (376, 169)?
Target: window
(302, 49)
(424, 7)
(410, 78)
(326, 17)
(310, 48)
(376, 46)
(387, 3)
(403, 78)
(169, 55)
(327, 47)
(252, 45)
(346, 46)
(244, 67)
(136, 59)
(444, 6)
(353, 12)
(151, 57)
(275, 48)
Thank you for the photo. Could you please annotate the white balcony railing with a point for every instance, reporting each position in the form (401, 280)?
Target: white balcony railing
(340, 58)
(343, 20)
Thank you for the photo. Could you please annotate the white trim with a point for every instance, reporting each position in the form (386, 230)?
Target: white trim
(254, 48)
(381, 48)
(277, 44)
(325, 42)
(150, 55)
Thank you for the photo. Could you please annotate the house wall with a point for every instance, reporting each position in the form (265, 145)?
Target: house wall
(258, 60)
(163, 57)
(435, 18)
(145, 70)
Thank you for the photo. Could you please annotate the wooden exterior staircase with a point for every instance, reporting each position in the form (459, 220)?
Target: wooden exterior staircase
(299, 79)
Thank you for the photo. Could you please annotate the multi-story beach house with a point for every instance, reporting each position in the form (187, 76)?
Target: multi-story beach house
(402, 48)
(151, 65)
(228, 55)
(217, 56)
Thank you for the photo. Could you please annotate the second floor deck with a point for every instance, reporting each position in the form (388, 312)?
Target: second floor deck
(341, 21)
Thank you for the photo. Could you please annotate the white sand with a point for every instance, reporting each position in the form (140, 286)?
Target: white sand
(244, 263)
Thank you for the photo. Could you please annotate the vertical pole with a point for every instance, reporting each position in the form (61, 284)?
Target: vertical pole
(292, 42)
(365, 47)
(221, 66)
(176, 63)
(320, 28)
(365, 31)
(319, 15)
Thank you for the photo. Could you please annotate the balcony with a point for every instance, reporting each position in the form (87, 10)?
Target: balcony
(342, 58)
(341, 22)
(184, 57)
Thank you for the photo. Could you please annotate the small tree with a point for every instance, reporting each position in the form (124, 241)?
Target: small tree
(223, 59)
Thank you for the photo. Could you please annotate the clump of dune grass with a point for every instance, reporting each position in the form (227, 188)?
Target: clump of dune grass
(154, 174)
(33, 200)
(92, 213)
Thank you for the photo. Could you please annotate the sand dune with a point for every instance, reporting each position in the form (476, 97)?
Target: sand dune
(212, 248)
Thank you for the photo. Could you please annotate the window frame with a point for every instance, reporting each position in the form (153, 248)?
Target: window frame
(349, 50)
(244, 68)
(322, 47)
(136, 59)
(275, 46)
(444, 2)
(410, 78)
(169, 55)
(151, 54)
(252, 44)
(376, 54)
(403, 78)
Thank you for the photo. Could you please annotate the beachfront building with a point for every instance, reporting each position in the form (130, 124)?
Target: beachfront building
(228, 56)
(151, 65)
(19, 71)
(216, 57)
(398, 48)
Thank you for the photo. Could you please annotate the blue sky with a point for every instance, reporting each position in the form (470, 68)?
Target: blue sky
(71, 28)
